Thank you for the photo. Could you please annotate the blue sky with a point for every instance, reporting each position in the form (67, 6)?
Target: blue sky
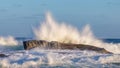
(18, 16)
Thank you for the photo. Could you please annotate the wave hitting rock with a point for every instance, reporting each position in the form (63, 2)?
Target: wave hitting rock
(58, 45)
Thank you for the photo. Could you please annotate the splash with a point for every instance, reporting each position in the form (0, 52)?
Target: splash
(8, 41)
(52, 30)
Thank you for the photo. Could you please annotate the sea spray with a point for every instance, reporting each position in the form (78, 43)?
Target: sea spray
(52, 30)
(8, 41)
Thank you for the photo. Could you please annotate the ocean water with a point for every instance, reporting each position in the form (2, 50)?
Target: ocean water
(52, 30)
(46, 58)
(111, 40)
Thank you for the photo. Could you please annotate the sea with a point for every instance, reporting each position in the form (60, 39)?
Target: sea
(46, 58)
(51, 30)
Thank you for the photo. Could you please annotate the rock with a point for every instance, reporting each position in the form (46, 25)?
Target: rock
(2, 55)
(34, 43)
(57, 45)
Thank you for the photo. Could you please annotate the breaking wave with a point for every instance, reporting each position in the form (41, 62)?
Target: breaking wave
(52, 30)
(38, 58)
(8, 41)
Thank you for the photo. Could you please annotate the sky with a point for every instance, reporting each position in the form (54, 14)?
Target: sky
(17, 17)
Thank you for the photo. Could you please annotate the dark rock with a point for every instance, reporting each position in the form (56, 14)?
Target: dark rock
(3, 55)
(57, 45)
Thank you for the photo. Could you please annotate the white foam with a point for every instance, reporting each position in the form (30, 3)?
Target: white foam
(37, 58)
(110, 59)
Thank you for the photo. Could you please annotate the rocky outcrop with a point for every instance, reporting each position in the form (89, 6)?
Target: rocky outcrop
(57, 45)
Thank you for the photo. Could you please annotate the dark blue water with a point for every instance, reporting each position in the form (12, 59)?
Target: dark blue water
(111, 40)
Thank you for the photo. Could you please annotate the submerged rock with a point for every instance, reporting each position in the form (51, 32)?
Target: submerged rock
(57, 45)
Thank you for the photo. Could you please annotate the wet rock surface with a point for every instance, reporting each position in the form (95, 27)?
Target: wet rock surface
(57, 45)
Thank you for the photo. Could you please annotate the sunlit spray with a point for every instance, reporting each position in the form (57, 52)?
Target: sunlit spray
(52, 30)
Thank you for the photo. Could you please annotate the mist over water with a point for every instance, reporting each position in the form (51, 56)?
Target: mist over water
(52, 30)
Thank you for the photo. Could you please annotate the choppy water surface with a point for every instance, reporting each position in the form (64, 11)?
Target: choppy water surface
(58, 58)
